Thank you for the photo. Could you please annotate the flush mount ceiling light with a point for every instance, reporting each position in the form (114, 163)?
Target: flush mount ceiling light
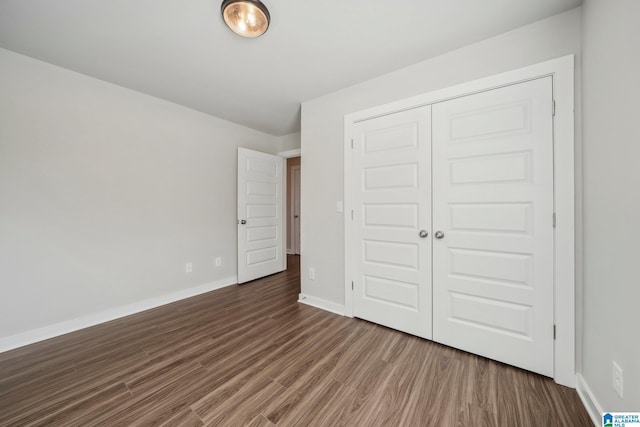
(247, 18)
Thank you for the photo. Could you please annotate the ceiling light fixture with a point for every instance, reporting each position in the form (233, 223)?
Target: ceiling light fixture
(247, 18)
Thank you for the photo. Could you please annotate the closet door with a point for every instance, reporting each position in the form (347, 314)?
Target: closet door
(391, 221)
(493, 215)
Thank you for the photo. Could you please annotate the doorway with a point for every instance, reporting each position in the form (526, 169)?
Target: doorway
(293, 205)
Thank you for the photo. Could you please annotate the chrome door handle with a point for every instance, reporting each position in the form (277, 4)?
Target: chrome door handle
(423, 233)
(439, 235)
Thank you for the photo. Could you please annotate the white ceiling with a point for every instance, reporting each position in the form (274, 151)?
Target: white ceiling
(181, 51)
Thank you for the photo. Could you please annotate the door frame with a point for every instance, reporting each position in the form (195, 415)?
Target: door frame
(562, 72)
(295, 247)
(296, 152)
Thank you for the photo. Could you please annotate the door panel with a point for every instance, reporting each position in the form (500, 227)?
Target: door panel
(392, 203)
(493, 200)
(261, 207)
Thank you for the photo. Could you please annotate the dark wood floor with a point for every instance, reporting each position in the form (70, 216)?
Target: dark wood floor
(251, 354)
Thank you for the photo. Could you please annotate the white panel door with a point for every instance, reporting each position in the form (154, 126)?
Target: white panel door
(392, 203)
(493, 203)
(261, 249)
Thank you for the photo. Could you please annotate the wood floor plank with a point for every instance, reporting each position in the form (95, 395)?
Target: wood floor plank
(260, 421)
(244, 406)
(252, 355)
(299, 393)
(159, 405)
(184, 418)
(87, 408)
(323, 398)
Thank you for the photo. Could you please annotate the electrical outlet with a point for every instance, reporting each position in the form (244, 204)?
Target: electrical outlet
(618, 384)
(188, 267)
(312, 273)
(218, 261)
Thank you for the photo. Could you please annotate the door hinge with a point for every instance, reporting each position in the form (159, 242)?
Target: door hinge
(554, 332)
(554, 220)
(352, 215)
(553, 108)
(352, 143)
(351, 285)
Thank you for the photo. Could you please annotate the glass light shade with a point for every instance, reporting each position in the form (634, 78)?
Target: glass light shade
(247, 18)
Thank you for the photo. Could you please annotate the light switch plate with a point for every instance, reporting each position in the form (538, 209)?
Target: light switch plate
(618, 385)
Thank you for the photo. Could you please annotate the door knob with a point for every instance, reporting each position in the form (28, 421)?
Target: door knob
(243, 222)
(439, 235)
(423, 233)
(296, 216)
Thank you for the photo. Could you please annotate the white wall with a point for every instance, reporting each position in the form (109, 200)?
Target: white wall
(611, 143)
(322, 130)
(105, 194)
(288, 142)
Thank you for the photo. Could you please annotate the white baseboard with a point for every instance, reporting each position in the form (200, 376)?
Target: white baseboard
(589, 401)
(289, 251)
(57, 329)
(321, 303)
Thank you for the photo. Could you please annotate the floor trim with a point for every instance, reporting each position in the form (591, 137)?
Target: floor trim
(29, 337)
(321, 303)
(594, 409)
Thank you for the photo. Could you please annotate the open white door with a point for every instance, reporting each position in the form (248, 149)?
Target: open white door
(493, 224)
(392, 219)
(261, 184)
